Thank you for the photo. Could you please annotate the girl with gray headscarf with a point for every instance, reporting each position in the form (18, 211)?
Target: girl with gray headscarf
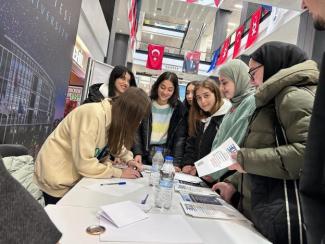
(235, 85)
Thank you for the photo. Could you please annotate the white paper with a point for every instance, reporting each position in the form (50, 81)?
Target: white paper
(194, 189)
(218, 159)
(158, 228)
(187, 178)
(115, 190)
(201, 210)
(123, 213)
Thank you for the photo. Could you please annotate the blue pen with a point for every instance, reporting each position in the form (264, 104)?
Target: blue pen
(113, 183)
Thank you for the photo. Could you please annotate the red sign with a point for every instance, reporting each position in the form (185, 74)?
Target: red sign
(155, 56)
(224, 52)
(239, 33)
(253, 29)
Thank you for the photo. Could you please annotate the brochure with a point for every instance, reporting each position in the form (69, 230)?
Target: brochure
(218, 159)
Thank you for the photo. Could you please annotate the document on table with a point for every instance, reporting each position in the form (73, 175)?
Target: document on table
(194, 189)
(187, 178)
(122, 213)
(115, 190)
(201, 210)
(218, 159)
(153, 230)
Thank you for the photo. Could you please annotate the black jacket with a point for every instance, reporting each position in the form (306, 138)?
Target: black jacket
(94, 95)
(199, 145)
(312, 180)
(176, 136)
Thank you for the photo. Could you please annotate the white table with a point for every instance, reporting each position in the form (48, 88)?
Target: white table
(77, 210)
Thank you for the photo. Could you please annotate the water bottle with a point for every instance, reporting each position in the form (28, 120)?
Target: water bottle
(157, 163)
(164, 190)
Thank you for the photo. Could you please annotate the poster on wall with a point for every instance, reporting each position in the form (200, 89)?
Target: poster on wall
(191, 62)
(36, 44)
(73, 99)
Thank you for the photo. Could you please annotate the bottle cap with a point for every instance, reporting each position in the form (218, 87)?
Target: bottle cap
(169, 158)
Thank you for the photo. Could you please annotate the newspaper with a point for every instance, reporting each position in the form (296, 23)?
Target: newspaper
(218, 159)
(201, 210)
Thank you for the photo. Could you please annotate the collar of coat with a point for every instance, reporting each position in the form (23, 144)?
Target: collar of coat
(303, 74)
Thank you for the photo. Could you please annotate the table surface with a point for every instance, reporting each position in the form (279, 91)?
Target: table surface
(77, 210)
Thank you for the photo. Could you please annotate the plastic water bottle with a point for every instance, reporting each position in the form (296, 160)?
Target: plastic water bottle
(157, 163)
(164, 191)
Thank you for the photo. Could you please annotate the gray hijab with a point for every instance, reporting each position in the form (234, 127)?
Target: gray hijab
(237, 71)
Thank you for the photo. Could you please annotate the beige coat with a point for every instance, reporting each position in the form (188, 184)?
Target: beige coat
(69, 153)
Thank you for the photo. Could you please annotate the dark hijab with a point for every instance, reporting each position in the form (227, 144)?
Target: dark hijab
(278, 55)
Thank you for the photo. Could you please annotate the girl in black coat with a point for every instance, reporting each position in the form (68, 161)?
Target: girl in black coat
(165, 126)
(206, 114)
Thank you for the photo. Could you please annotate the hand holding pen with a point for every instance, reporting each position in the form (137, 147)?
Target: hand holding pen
(135, 164)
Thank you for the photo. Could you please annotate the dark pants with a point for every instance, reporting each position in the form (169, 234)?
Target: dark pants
(50, 199)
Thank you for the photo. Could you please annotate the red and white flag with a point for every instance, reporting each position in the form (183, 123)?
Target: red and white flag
(155, 56)
(217, 2)
(132, 16)
(224, 52)
(253, 29)
(239, 33)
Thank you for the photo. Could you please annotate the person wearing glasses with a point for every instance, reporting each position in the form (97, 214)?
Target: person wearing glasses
(273, 149)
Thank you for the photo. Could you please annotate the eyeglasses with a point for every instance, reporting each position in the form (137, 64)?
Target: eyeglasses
(251, 72)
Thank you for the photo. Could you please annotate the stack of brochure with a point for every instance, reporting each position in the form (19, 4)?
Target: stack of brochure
(208, 206)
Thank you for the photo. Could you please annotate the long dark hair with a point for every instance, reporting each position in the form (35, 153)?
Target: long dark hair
(194, 82)
(196, 113)
(166, 76)
(119, 72)
(128, 110)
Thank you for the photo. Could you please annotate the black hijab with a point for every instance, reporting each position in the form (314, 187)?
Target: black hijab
(278, 55)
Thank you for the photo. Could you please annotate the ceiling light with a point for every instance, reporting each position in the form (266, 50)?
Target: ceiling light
(118, 19)
(231, 24)
(154, 14)
(151, 36)
(238, 6)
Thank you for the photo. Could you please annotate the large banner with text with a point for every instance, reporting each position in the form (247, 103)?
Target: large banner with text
(36, 45)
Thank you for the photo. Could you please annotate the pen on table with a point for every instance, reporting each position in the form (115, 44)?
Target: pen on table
(135, 168)
(145, 199)
(113, 183)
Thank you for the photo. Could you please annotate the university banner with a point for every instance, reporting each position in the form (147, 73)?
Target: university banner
(37, 40)
(254, 27)
(155, 56)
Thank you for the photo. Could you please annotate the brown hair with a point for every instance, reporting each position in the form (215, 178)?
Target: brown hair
(128, 110)
(196, 113)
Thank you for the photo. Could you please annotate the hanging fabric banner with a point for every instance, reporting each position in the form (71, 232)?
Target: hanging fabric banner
(254, 26)
(214, 60)
(155, 56)
(239, 33)
(191, 62)
(224, 51)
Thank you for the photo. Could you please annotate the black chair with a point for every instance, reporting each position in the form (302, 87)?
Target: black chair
(7, 150)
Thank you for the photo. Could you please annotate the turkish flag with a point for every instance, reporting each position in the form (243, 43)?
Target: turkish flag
(217, 2)
(191, 1)
(253, 29)
(155, 56)
(239, 33)
(224, 52)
